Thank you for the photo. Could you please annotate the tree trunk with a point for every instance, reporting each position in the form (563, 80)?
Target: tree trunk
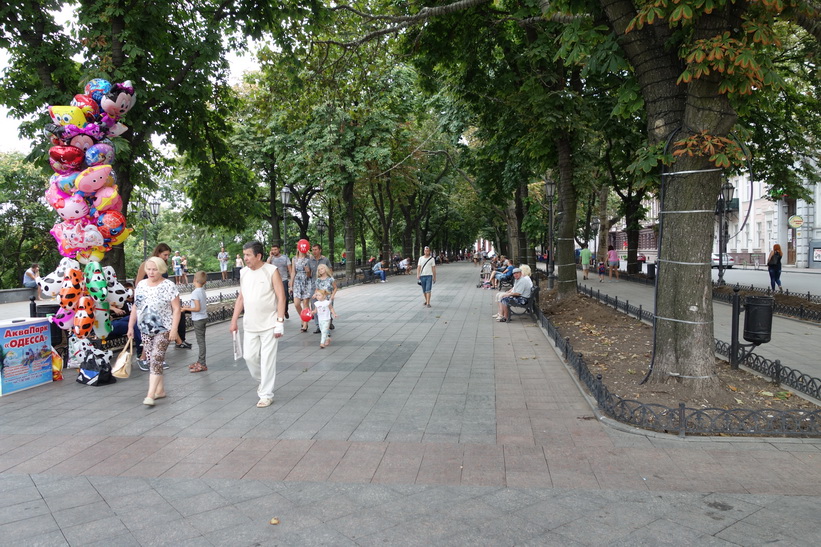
(565, 249)
(350, 235)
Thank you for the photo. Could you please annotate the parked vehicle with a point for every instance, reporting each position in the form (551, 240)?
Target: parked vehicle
(728, 261)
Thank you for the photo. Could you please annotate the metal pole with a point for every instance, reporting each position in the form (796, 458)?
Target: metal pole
(551, 259)
(721, 241)
(145, 235)
(734, 328)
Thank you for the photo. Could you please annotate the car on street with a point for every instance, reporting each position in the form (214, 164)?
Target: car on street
(728, 261)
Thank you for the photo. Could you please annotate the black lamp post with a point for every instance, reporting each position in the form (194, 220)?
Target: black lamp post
(148, 216)
(320, 227)
(285, 196)
(550, 193)
(724, 200)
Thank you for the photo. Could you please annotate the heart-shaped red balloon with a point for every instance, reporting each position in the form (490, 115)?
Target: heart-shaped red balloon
(69, 157)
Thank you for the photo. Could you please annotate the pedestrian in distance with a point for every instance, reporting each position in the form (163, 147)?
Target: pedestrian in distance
(301, 285)
(324, 312)
(157, 310)
(426, 274)
(613, 262)
(774, 267)
(262, 297)
(176, 265)
(585, 256)
(283, 264)
(198, 308)
(222, 256)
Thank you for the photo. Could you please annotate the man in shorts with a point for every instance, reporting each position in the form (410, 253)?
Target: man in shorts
(584, 257)
(223, 258)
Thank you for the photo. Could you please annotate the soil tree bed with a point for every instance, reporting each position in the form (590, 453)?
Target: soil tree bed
(619, 347)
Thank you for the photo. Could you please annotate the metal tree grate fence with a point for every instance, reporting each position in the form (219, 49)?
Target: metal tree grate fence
(682, 419)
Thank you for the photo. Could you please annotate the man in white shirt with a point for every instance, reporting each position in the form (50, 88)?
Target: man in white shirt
(262, 296)
(519, 294)
(223, 258)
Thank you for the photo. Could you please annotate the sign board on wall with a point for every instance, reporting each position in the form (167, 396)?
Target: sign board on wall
(795, 221)
(25, 354)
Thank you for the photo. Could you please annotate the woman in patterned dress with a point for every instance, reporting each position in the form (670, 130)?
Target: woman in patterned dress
(157, 309)
(301, 285)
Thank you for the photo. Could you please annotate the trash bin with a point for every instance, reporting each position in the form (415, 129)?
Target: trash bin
(758, 319)
(651, 271)
(44, 310)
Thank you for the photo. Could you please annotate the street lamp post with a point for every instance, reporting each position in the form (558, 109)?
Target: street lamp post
(723, 231)
(550, 193)
(148, 216)
(595, 223)
(285, 196)
(320, 227)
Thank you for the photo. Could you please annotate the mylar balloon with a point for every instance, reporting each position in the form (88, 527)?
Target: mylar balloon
(111, 224)
(102, 320)
(73, 208)
(104, 199)
(72, 289)
(92, 254)
(118, 101)
(89, 106)
(93, 178)
(64, 318)
(100, 154)
(67, 115)
(65, 159)
(96, 88)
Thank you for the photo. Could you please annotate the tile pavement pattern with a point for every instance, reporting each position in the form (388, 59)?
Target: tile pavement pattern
(415, 427)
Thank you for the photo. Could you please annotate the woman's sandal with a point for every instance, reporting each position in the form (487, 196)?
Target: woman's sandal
(197, 367)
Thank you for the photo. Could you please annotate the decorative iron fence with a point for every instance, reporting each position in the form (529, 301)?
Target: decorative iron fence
(682, 419)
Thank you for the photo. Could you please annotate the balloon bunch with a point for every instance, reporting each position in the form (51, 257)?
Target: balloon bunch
(83, 189)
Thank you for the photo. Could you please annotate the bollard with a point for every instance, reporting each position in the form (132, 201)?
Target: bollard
(32, 308)
(734, 328)
(682, 420)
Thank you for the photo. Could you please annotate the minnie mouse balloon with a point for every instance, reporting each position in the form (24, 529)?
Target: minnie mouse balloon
(118, 101)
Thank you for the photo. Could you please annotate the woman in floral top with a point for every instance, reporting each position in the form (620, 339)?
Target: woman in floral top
(157, 311)
(301, 285)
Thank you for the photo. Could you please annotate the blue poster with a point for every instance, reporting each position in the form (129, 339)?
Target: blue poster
(25, 354)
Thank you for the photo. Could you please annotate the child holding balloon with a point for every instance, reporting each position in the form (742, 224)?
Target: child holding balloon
(323, 310)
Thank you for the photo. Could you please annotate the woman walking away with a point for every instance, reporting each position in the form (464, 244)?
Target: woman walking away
(613, 262)
(774, 267)
(302, 286)
(157, 309)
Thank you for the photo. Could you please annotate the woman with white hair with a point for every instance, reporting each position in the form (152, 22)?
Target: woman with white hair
(157, 311)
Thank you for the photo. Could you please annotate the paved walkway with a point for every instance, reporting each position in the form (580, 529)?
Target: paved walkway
(415, 427)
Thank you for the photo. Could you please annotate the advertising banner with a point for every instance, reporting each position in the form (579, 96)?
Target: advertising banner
(25, 354)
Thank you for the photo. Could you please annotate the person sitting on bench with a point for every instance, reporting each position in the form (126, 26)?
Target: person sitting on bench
(378, 271)
(519, 295)
(505, 273)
